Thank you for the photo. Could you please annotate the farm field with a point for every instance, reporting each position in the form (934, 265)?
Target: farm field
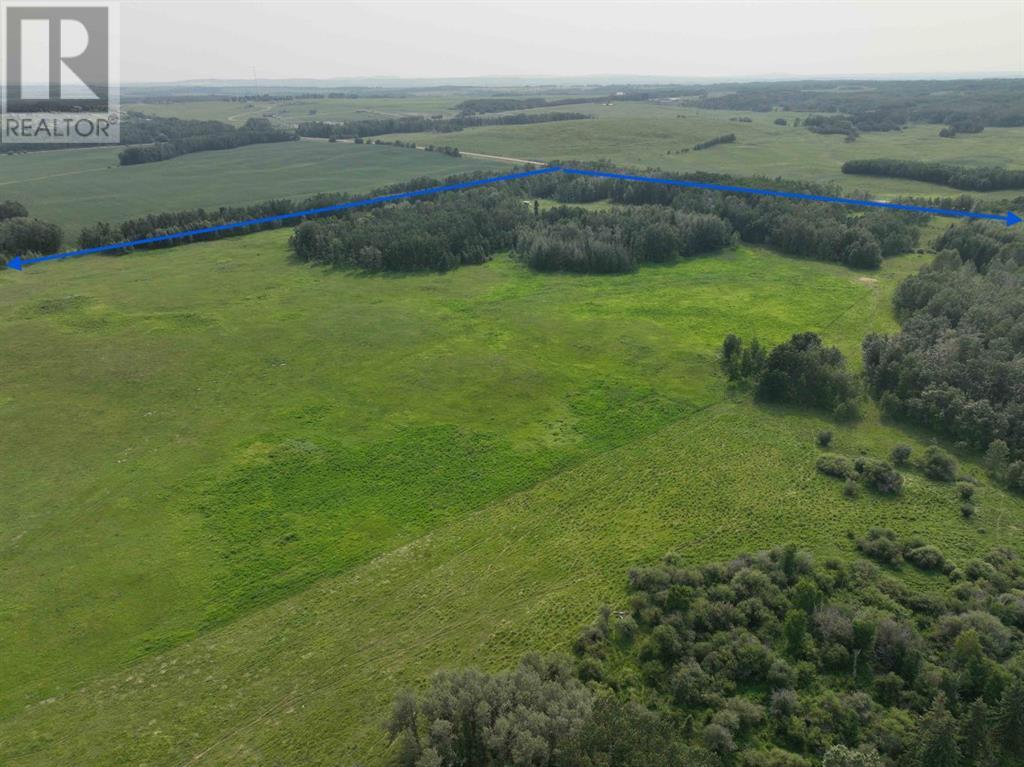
(78, 187)
(650, 135)
(256, 497)
(291, 113)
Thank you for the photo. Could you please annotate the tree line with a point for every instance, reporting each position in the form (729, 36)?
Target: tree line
(886, 105)
(820, 232)
(984, 179)
(726, 138)
(770, 659)
(420, 124)
(487, 105)
(955, 365)
(257, 130)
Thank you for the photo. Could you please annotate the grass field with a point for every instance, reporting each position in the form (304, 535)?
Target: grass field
(78, 187)
(640, 135)
(255, 497)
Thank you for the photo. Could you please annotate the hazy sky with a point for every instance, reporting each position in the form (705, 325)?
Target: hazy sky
(196, 40)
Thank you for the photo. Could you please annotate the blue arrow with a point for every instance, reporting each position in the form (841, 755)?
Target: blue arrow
(1009, 218)
(18, 263)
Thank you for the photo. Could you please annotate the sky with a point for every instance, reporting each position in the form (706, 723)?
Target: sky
(186, 40)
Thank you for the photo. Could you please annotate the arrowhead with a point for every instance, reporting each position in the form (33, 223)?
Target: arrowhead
(1012, 218)
(16, 263)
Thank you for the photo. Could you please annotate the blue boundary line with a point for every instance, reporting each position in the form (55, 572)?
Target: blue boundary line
(20, 263)
(1010, 218)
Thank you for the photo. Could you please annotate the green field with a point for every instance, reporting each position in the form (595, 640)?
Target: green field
(642, 135)
(78, 187)
(254, 497)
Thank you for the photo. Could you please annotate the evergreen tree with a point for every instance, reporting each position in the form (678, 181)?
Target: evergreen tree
(937, 737)
(1010, 720)
(975, 735)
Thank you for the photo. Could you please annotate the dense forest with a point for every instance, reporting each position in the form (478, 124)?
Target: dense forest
(256, 130)
(957, 364)
(436, 234)
(577, 240)
(768, 660)
(957, 176)
(383, 125)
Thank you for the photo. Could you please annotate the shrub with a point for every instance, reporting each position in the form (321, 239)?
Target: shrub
(967, 510)
(966, 490)
(851, 489)
(824, 438)
(900, 455)
(926, 558)
(834, 465)
(879, 475)
(881, 545)
(939, 465)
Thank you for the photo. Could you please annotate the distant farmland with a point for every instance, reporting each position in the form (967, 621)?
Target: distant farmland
(653, 135)
(77, 187)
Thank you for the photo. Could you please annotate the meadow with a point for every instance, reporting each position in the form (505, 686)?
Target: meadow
(78, 187)
(254, 497)
(640, 134)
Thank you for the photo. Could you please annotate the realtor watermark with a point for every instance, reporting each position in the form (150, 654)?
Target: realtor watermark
(59, 72)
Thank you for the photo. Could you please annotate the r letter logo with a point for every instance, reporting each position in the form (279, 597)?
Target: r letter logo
(60, 82)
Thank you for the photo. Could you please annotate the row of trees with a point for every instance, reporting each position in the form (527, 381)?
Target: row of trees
(768, 660)
(509, 104)
(421, 124)
(256, 130)
(956, 176)
(725, 138)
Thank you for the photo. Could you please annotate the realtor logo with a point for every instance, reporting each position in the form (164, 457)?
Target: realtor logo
(60, 64)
